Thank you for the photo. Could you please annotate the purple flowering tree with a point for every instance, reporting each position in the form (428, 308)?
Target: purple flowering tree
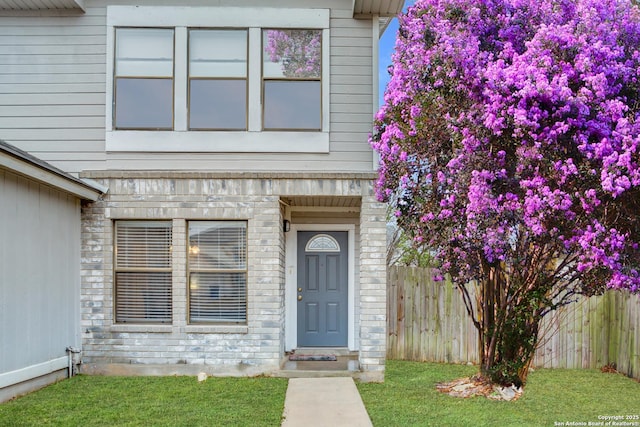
(509, 145)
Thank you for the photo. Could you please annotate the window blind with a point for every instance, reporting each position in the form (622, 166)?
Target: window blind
(143, 272)
(217, 271)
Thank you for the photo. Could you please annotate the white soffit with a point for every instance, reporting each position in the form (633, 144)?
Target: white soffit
(42, 5)
(388, 8)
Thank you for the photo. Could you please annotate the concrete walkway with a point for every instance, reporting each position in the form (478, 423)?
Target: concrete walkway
(327, 402)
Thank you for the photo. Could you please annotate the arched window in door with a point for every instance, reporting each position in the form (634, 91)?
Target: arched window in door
(322, 243)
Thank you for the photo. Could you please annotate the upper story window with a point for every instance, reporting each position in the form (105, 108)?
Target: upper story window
(217, 79)
(143, 79)
(291, 72)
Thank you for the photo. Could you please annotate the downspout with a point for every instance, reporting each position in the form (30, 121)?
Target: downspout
(71, 352)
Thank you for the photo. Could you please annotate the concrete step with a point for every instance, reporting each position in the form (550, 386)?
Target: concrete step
(315, 374)
(346, 365)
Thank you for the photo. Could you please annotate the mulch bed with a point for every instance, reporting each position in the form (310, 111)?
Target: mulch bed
(478, 386)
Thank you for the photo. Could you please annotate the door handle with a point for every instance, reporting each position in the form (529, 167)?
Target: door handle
(299, 289)
(299, 297)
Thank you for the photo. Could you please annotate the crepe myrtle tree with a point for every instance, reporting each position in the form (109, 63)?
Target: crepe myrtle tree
(508, 141)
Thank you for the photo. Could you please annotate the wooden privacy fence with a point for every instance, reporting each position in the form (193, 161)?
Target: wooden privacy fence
(427, 321)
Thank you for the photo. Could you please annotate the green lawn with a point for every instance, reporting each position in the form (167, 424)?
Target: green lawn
(150, 401)
(408, 398)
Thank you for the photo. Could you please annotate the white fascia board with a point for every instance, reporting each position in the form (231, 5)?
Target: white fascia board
(86, 191)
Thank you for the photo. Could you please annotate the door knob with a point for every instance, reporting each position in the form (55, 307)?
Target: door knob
(299, 289)
(299, 297)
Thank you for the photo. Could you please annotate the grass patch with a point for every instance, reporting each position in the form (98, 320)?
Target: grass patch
(408, 398)
(144, 401)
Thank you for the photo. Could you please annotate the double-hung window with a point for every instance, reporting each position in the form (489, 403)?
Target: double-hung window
(217, 79)
(291, 73)
(143, 80)
(217, 271)
(143, 272)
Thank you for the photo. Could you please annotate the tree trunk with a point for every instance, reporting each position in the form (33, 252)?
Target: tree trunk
(508, 328)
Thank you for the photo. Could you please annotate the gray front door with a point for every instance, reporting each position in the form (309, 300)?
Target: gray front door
(322, 289)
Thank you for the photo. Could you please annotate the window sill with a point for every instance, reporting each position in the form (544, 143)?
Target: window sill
(216, 329)
(142, 328)
(217, 142)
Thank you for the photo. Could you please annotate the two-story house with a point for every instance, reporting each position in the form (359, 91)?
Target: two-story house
(238, 221)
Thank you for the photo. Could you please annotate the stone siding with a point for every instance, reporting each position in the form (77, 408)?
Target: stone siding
(258, 346)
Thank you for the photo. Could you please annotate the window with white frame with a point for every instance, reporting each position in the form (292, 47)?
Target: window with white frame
(291, 73)
(217, 79)
(142, 272)
(217, 271)
(143, 81)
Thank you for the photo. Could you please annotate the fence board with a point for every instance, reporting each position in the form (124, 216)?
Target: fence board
(427, 321)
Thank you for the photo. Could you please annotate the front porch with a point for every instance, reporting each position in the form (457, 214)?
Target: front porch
(302, 231)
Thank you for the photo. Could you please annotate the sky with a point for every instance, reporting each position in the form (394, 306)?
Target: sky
(387, 43)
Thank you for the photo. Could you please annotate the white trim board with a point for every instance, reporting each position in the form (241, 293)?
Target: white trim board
(34, 371)
(14, 165)
(236, 142)
(242, 17)
(291, 274)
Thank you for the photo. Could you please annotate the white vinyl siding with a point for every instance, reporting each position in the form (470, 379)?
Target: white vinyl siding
(143, 272)
(52, 98)
(52, 87)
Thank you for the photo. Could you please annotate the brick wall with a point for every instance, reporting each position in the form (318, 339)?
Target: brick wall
(256, 347)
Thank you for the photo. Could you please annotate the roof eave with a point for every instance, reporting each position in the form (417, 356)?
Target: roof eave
(49, 6)
(22, 163)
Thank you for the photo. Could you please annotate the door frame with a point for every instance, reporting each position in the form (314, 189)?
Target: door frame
(291, 278)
